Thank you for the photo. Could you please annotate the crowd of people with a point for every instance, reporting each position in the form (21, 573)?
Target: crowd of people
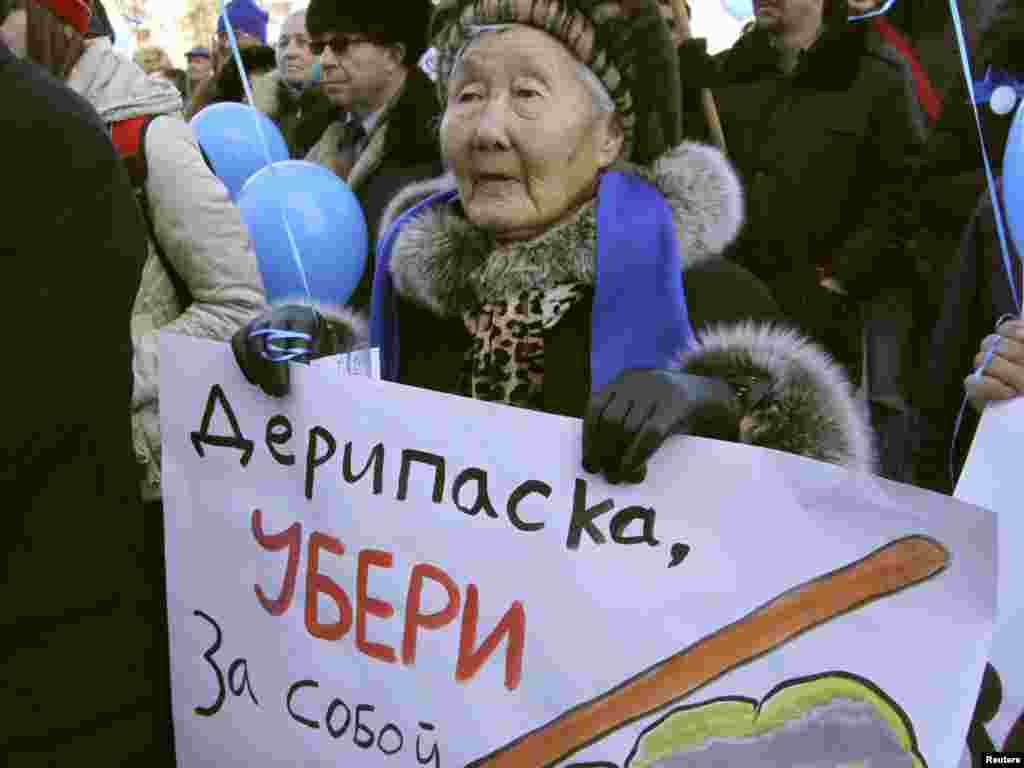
(579, 211)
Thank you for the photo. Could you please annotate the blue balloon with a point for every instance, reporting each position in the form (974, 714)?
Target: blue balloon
(739, 9)
(229, 136)
(327, 224)
(1013, 179)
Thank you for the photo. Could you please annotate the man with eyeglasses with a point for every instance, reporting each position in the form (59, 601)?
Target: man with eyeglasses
(387, 138)
(288, 94)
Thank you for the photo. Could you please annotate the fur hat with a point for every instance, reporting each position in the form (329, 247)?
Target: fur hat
(246, 17)
(74, 12)
(625, 43)
(388, 22)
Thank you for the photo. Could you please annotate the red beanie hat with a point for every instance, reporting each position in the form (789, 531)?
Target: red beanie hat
(74, 12)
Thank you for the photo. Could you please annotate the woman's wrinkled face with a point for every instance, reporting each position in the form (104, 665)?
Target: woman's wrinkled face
(521, 134)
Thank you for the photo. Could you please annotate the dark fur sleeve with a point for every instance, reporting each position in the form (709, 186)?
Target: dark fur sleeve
(791, 396)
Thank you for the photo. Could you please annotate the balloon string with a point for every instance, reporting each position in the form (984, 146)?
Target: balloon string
(885, 7)
(271, 351)
(245, 79)
(997, 208)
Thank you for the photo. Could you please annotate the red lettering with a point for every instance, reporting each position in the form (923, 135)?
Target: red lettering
(371, 605)
(290, 538)
(414, 619)
(316, 583)
(512, 625)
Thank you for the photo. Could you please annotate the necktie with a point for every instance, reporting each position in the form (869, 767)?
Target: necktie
(348, 147)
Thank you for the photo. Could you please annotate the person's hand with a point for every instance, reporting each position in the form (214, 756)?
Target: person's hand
(629, 419)
(1003, 379)
(303, 335)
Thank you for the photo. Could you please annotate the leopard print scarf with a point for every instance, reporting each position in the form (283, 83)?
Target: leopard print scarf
(522, 291)
(505, 362)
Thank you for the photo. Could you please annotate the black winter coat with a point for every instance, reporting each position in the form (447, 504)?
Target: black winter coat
(824, 155)
(81, 637)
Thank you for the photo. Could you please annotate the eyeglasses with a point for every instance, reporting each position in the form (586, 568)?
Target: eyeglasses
(339, 44)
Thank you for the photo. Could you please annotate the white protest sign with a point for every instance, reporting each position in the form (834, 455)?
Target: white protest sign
(992, 478)
(370, 575)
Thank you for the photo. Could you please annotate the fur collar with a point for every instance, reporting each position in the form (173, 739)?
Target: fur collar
(442, 262)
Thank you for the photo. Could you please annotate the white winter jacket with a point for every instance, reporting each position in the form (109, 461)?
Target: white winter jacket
(197, 224)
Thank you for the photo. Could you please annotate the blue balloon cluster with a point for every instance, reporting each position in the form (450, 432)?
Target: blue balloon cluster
(308, 231)
(229, 134)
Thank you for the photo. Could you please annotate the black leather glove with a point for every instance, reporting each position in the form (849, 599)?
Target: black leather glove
(628, 420)
(259, 355)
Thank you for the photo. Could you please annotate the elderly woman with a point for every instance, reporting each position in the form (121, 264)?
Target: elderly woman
(567, 263)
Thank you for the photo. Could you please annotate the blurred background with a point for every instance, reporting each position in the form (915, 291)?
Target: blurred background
(179, 25)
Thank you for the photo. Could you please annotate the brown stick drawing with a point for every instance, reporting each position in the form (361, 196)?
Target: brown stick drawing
(889, 569)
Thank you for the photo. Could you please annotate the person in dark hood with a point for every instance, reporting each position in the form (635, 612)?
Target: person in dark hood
(83, 650)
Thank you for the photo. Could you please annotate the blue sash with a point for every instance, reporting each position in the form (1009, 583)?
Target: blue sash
(639, 317)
